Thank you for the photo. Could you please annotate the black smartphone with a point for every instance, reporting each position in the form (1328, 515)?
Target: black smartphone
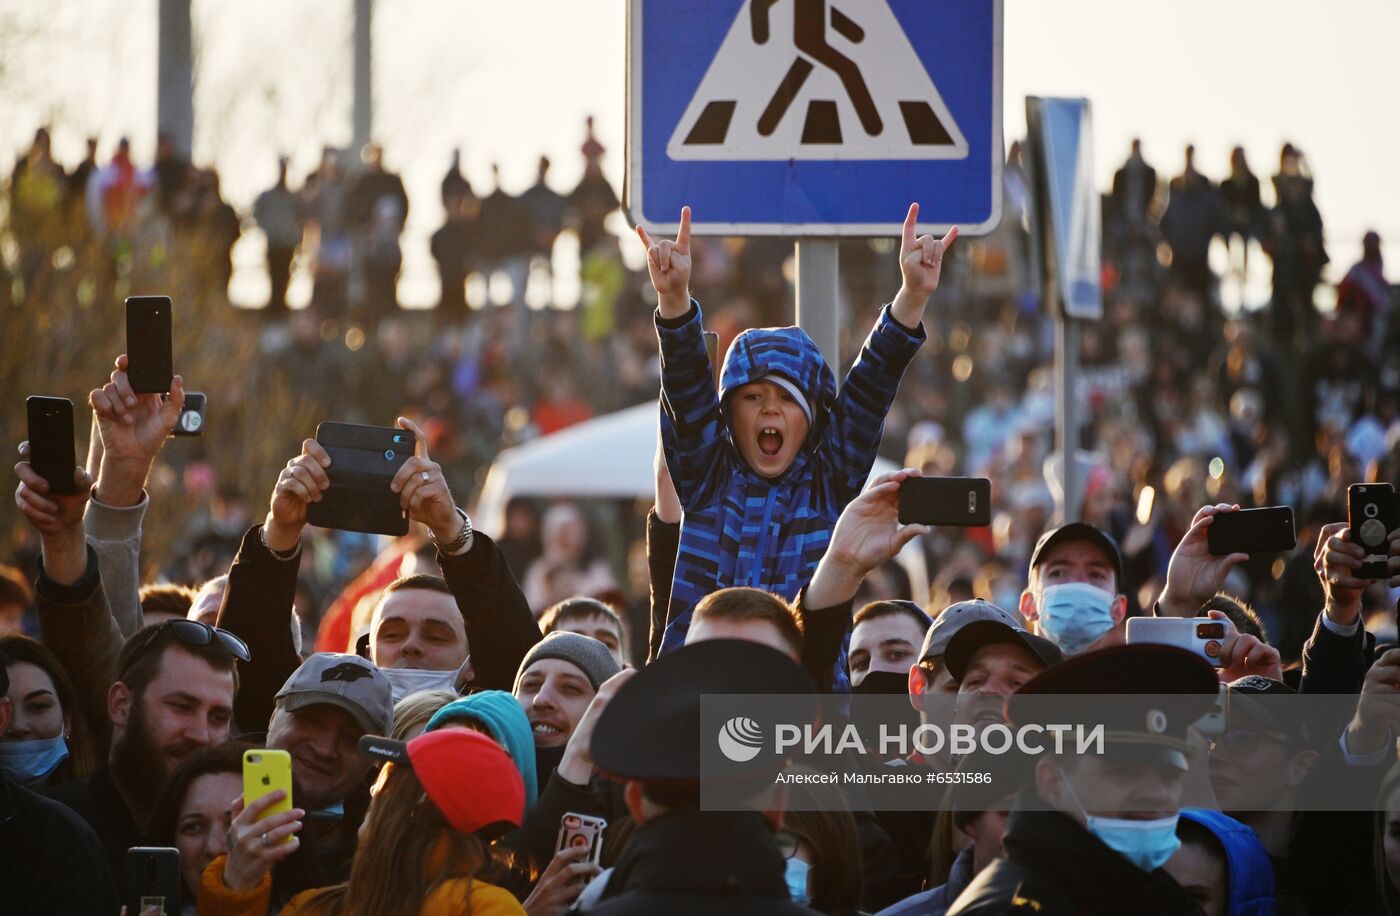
(364, 460)
(1252, 531)
(153, 879)
(150, 363)
(964, 502)
(712, 348)
(51, 451)
(191, 422)
(1373, 511)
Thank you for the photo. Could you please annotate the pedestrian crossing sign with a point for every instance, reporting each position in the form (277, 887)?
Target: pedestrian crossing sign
(814, 117)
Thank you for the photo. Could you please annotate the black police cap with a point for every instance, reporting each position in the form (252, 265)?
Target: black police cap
(1144, 695)
(650, 731)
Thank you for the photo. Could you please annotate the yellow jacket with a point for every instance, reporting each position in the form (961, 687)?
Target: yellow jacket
(455, 897)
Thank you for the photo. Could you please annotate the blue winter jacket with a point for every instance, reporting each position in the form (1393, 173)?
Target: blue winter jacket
(740, 528)
(1251, 877)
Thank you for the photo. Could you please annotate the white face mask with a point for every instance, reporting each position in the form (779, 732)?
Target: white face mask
(404, 681)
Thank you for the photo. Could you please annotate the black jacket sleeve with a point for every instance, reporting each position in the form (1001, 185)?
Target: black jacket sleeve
(500, 627)
(77, 626)
(257, 609)
(1336, 664)
(823, 630)
(663, 541)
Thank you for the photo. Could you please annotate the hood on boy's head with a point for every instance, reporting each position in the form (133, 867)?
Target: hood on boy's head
(1250, 876)
(785, 352)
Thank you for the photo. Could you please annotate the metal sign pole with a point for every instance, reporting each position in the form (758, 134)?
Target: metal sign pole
(1067, 414)
(818, 297)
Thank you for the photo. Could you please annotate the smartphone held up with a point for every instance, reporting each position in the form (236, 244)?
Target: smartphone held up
(51, 450)
(150, 361)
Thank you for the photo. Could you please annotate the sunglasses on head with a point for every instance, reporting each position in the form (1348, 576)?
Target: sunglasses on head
(193, 633)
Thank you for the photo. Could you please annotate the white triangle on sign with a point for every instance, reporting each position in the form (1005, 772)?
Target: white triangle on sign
(830, 79)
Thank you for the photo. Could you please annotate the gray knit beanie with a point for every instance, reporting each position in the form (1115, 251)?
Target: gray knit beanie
(591, 657)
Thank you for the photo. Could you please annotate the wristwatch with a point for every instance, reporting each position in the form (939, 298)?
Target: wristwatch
(454, 546)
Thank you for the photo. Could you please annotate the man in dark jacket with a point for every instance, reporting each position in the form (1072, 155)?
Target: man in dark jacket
(1092, 836)
(682, 860)
(44, 846)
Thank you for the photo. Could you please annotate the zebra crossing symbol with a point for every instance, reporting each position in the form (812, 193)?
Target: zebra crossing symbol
(816, 79)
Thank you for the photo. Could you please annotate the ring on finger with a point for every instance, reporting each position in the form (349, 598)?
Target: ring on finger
(426, 476)
(266, 844)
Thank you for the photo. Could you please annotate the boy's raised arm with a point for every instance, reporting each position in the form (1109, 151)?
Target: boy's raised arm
(852, 435)
(691, 422)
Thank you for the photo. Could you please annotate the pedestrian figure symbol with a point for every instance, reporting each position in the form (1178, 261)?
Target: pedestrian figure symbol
(816, 79)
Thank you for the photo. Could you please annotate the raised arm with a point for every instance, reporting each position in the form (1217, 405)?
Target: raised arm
(866, 536)
(663, 541)
(262, 585)
(1339, 652)
(131, 428)
(692, 427)
(857, 421)
(74, 620)
(500, 627)
(1194, 574)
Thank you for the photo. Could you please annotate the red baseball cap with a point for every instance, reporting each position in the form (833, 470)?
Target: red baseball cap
(467, 776)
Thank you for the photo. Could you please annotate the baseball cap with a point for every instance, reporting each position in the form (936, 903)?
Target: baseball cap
(353, 683)
(957, 616)
(974, 636)
(467, 776)
(1277, 715)
(1079, 531)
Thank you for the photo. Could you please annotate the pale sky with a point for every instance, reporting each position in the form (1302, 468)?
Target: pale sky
(510, 80)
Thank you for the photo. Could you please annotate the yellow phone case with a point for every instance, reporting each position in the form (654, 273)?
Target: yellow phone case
(264, 772)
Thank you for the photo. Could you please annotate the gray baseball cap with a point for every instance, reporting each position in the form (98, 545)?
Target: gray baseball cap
(353, 683)
(957, 616)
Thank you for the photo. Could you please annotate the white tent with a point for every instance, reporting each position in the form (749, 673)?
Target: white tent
(609, 458)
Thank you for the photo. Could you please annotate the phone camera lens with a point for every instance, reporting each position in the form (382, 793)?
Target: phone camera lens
(389, 455)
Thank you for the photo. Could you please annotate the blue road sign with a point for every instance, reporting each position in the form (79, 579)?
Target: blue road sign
(814, 117)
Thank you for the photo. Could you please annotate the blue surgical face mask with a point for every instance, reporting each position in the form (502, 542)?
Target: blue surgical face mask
(797, 880)
(29, 762)
(1146, 844)
(1075, 614)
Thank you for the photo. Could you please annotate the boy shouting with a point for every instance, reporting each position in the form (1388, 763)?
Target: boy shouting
(764, 468)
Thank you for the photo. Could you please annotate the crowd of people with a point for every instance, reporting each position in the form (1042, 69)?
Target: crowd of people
(448, 698)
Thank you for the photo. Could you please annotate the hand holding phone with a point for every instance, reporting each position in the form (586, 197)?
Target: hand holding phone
(265, 825)
(582, 830)
(363, 463)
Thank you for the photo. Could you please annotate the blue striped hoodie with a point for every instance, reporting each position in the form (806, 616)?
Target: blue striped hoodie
(739, 527)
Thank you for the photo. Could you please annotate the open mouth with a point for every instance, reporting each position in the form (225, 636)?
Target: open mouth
(770, 441)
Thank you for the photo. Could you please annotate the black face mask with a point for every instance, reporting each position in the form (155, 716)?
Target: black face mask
(546, 759)
(882, 699)
(883, 682)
